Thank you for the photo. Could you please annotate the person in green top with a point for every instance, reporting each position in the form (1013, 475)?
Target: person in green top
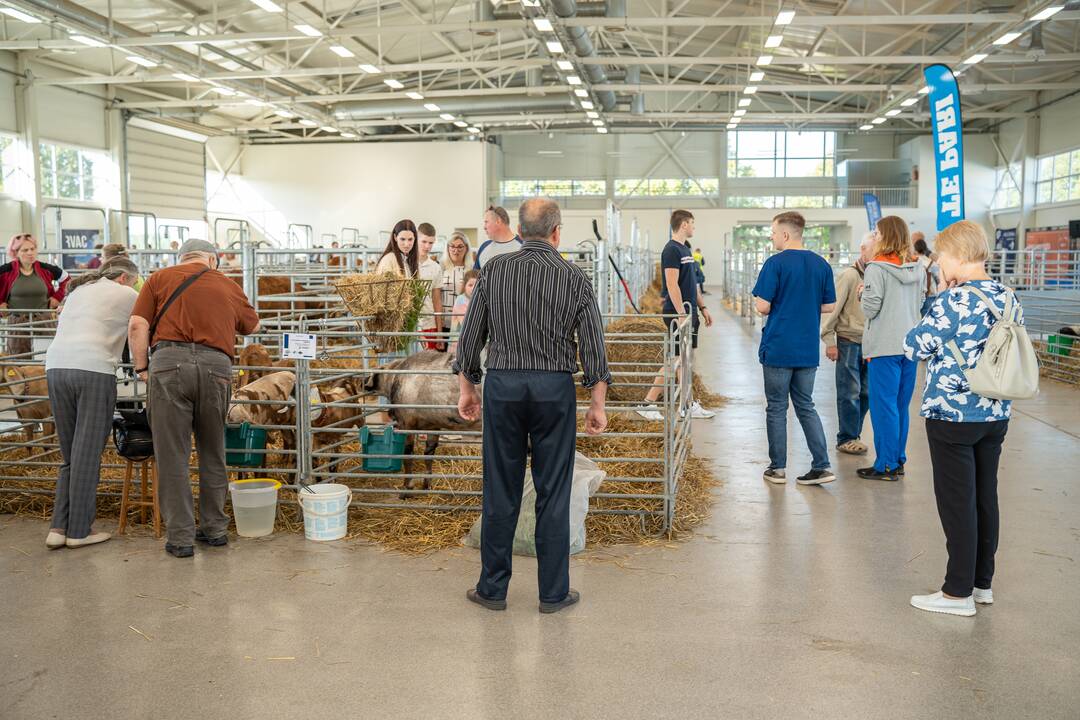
(26, 283)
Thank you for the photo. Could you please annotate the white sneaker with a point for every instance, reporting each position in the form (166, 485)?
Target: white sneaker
(938, 603)
(984, 597)
(650, 412)
(55, 540)
(91, 539)
(699, 413)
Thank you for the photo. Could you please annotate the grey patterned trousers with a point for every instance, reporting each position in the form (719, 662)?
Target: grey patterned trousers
(82, 403)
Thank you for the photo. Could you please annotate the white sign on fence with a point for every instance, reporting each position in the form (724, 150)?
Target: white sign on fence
(298, 346)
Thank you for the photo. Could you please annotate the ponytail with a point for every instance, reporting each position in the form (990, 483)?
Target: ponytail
(112, 269)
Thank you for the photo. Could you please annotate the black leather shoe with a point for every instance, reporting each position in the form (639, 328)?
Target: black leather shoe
(571, 598)
(180, 551)
(200, 536)
(869, 473)
(900, 470)
(485, 602)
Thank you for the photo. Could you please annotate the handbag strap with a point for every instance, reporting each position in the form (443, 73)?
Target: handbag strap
(175, 294)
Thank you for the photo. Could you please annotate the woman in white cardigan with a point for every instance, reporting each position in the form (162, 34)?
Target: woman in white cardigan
(80, 367)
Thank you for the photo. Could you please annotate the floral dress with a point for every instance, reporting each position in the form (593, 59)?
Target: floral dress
(961, 316)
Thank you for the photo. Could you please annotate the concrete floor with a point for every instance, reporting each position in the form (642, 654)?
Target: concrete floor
(791, 603)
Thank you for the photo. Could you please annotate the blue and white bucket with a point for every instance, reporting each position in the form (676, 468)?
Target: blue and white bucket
(326, 511)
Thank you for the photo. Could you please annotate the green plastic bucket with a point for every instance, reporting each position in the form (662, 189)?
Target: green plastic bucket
(1060, 344)
(376, 445)
(242, 443)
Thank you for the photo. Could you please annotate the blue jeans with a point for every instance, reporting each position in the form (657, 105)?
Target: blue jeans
(852, 391)
(892, 383)
(798, 383)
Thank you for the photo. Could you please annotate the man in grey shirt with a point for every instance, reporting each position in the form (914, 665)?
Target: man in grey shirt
(501, 239)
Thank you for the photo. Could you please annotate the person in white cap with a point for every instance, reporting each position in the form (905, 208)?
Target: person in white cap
(187, 318)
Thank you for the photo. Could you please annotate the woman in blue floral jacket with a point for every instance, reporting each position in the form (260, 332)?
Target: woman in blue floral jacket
(965, 430)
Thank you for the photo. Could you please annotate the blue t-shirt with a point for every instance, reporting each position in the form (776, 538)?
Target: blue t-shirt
(678, 257)
(797, 283)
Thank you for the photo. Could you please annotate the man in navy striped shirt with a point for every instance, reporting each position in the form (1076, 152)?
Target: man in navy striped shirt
(537, 313)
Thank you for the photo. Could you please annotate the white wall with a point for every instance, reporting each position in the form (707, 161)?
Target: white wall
(368, 186)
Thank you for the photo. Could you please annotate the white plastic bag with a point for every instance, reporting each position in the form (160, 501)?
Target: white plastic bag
(587, 478)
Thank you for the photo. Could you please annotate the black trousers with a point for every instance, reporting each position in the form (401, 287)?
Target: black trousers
(965, 459)
(519, 407)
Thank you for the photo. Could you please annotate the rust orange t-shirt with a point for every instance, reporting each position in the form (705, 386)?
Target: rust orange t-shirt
(211, 311)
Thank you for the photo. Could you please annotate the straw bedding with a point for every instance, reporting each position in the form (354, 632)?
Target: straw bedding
(419, 531)
(1064, 368)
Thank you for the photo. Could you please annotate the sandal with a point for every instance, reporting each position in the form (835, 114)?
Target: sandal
(852, 447)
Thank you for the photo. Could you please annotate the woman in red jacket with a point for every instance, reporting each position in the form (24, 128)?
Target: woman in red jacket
(26, 283)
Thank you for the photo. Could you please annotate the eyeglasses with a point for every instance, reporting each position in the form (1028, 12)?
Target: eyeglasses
(458, 247)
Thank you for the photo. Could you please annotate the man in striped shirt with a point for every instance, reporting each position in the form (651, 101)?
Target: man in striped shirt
(529, 307)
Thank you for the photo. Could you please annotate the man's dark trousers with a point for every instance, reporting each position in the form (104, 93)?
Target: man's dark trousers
(522, 406)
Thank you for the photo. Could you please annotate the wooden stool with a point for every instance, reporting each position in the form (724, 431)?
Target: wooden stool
(147, 473)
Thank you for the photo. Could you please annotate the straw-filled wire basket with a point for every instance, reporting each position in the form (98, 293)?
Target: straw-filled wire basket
(394, 304)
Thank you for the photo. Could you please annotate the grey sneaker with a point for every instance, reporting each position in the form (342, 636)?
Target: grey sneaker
(776, 475)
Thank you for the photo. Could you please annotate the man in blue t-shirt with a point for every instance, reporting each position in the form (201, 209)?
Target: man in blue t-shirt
(793, 289)
(501, 239)
(678, 287)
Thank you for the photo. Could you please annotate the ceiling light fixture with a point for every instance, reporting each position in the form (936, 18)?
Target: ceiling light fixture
(564, 65)
(554, 46)
(369, 69)
(432, 107)
(774, 41)
(1049, 12)
(1007, 38)
(348, 135)
(573, 80)
(284, 114)
(543, 24)
(924, 90)
(92, 42)
(581, 92)
(602, 130)
(757, 76)
(447, 116)
(342, 51)
(308, 30)
(750, 90)
(329, 129)
(592, 114)
(866, 127)
(461, 123)
(765, 60)
(878, 120)
(586, 105)
(267, 5)
(909, 102)
(474, 130)
(308, 123)
(598, 123)
(739, 113)
(784, 17)
(256, 102)
(894, 112)
(139, 60)
(394, 83)
(975, 59)
(735, 120)
(185, 77)
(227, 92)
(745, 102)
(20, 16)
(413, 95)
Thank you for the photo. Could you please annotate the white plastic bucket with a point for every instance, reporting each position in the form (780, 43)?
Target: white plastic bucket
(326, 511)
(254, 504)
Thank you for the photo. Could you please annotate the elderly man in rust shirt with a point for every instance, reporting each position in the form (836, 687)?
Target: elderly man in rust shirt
(188, 316)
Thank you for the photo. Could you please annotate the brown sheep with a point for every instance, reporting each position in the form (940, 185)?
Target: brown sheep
(257, 356)
(29, 380)
(421, 389)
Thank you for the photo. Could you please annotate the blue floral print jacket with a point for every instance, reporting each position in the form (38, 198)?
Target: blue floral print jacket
(961, 316)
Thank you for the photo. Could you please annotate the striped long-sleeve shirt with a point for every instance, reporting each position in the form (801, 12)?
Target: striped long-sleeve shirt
(531, 305)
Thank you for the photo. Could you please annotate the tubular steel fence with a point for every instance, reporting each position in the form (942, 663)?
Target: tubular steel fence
(314, 432)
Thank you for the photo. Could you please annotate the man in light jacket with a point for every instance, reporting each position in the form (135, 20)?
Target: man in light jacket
(842, 333)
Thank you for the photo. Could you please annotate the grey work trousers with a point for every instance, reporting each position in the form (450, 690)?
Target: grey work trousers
(83, 403)
(189, 392)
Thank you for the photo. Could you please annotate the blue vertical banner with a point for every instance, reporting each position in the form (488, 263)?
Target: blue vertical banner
(948, 125)
(873, 209)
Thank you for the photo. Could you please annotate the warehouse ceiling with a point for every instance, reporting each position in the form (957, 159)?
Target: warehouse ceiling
(276, 71)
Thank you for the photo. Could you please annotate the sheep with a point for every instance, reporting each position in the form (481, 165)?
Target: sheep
(257, 356)
(421, 389)
(29, 380)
